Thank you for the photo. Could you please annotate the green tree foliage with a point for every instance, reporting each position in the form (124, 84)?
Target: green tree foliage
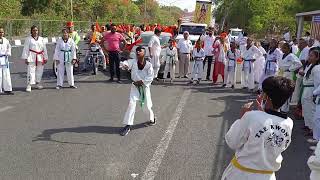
(263, 16)
(121, 11)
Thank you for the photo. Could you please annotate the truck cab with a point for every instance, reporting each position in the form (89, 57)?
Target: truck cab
(195, 31)
(235, 33)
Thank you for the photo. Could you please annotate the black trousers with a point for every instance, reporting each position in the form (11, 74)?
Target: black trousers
(114, 63)
(208, 59)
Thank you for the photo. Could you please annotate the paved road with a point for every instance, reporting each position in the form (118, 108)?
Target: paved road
(73, 134)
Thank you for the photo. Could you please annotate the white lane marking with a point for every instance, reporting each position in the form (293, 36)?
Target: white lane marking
(155, 162)
(84, 78)
(5, 108)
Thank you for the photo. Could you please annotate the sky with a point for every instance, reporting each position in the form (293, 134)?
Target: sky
(183, 4)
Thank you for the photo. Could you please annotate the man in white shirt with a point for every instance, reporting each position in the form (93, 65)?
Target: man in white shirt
(184, 50)
(259, 137)
(208, 49)
(155, 51)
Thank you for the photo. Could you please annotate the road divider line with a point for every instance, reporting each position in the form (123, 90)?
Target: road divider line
(155, 162)
(84, 78)
(5, 108)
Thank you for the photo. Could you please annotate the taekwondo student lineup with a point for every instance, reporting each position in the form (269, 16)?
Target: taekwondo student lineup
(284, 78)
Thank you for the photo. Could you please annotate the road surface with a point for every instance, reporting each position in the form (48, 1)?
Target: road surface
(74, 134)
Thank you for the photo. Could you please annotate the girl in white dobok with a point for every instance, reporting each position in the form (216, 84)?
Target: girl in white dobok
(35, 56)
(287, 66)
(65, 56)
(170, 59)
(310, 95)
(230, 75)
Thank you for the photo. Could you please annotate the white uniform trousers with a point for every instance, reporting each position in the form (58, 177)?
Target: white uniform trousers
(155, 61)
(170, 68)
(308, 107)
(286, 106)
(316, 121)
(296, 93)
(247, 78)
(62, 67)
(197, 70)
(5, 79)
(34, 74)
(258, 68)
(233, 173)
(230, 75)
(133, 100)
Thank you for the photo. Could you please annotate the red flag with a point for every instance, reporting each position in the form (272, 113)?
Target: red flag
(98, 28)
(137, 42)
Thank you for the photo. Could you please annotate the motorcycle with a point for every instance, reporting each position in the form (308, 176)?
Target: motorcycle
(95, 59)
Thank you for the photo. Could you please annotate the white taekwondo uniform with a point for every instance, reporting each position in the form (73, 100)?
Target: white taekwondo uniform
(287, 65)
(5, 78)
(197, 67)
(296, 94)
(230, 74)
(259, 65)
(171, 59)
(308, 106)
(314, 164)
(258, 139)
(316, 92)
(65, 52)
(139, 94)
(247, 76)
(35, 52)
(271, 66)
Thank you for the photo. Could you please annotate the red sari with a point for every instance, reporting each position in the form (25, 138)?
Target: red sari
(218, 63)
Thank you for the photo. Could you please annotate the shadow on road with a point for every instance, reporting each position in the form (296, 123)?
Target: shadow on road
(47, 134)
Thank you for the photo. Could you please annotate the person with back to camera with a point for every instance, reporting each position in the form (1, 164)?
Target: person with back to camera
(260, 136)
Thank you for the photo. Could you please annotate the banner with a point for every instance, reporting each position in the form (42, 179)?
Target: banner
(203, 14)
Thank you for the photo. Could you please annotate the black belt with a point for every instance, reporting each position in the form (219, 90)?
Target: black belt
(268, 65)
(247, 60)
(229, 67)
(185, 53)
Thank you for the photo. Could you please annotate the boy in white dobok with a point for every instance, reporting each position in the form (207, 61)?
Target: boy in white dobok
(65, 56)
(5, 52)
(35, 56)
(271, 68)
(142, 76)
(249, 54)
(287, 66)
(230, 75)
(171, 59)
(259, 137)
(197, 68)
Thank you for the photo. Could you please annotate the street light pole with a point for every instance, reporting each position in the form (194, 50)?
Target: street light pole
(145, 11)
(71, 7)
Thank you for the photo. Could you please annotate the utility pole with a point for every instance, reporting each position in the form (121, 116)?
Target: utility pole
(71, 8)
(145, 11)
